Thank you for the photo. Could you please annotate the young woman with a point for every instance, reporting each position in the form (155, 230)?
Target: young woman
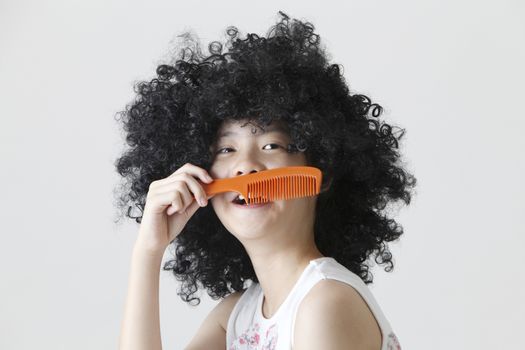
(292, 274)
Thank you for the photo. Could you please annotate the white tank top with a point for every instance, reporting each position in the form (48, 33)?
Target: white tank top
(248, 329)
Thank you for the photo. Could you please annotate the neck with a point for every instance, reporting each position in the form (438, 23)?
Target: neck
(279, 270)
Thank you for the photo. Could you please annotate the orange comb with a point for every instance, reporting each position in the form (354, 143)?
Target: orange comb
(270, 185)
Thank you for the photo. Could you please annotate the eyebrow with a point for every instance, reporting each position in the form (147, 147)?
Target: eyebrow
(269, 130)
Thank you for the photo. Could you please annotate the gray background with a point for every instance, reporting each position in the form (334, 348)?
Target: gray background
(450, 72)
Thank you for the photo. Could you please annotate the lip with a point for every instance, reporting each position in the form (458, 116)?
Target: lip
(253, 206)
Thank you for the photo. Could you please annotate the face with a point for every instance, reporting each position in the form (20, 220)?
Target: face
(242, 148)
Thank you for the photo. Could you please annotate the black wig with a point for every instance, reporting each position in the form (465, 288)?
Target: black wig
(284, 76)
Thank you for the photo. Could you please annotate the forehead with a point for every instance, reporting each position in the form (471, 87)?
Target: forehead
(233, 127)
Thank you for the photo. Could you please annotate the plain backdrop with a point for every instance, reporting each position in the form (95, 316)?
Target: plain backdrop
(450, 72)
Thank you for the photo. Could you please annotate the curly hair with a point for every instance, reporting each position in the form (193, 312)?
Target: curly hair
(284, 76)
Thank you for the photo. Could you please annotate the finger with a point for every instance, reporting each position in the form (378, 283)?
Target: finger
(191, 209)
(194, 170)
(178, 185)
(182, 187)
(171, 200)
(195, 188)
(194, 193)
(175, 206)
(172, 195)
(190, 191)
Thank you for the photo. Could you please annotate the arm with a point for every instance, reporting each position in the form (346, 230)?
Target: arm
(212, 333)
(140, 329)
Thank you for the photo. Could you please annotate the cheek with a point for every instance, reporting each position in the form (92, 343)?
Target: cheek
(219, 202)
(217, 206)
(300, 205)
(214, 171)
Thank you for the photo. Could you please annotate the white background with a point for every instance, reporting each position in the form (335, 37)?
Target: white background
(450, 72)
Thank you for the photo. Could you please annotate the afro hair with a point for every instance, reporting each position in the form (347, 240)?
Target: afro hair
(284, 76)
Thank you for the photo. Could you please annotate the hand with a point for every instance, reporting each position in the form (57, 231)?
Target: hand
(170, 205)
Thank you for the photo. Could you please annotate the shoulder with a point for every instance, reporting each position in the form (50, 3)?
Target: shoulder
(225, 307)
(333, 315)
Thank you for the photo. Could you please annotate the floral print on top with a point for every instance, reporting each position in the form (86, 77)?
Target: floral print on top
(251, 339)
(254, 339)
(392, 343)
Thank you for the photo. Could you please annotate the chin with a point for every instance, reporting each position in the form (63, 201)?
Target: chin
(246, 222)
(251, 223)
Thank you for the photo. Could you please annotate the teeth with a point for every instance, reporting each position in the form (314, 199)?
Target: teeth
(241, 197)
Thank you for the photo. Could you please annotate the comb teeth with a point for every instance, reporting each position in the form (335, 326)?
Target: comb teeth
(282, 187)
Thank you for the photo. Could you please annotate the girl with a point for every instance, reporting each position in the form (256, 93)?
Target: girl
(290, 273)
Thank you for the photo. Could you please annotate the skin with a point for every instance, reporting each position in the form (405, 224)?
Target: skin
(333, 315)
(278, 238)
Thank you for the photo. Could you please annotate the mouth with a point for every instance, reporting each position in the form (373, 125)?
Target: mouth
(240, 201)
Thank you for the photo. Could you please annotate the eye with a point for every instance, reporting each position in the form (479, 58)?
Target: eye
(273, 144)
(219, 151)
(229, 148)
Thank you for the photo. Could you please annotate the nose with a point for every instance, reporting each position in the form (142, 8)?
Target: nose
(247, 168)
(244, 173)
(247, 165)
